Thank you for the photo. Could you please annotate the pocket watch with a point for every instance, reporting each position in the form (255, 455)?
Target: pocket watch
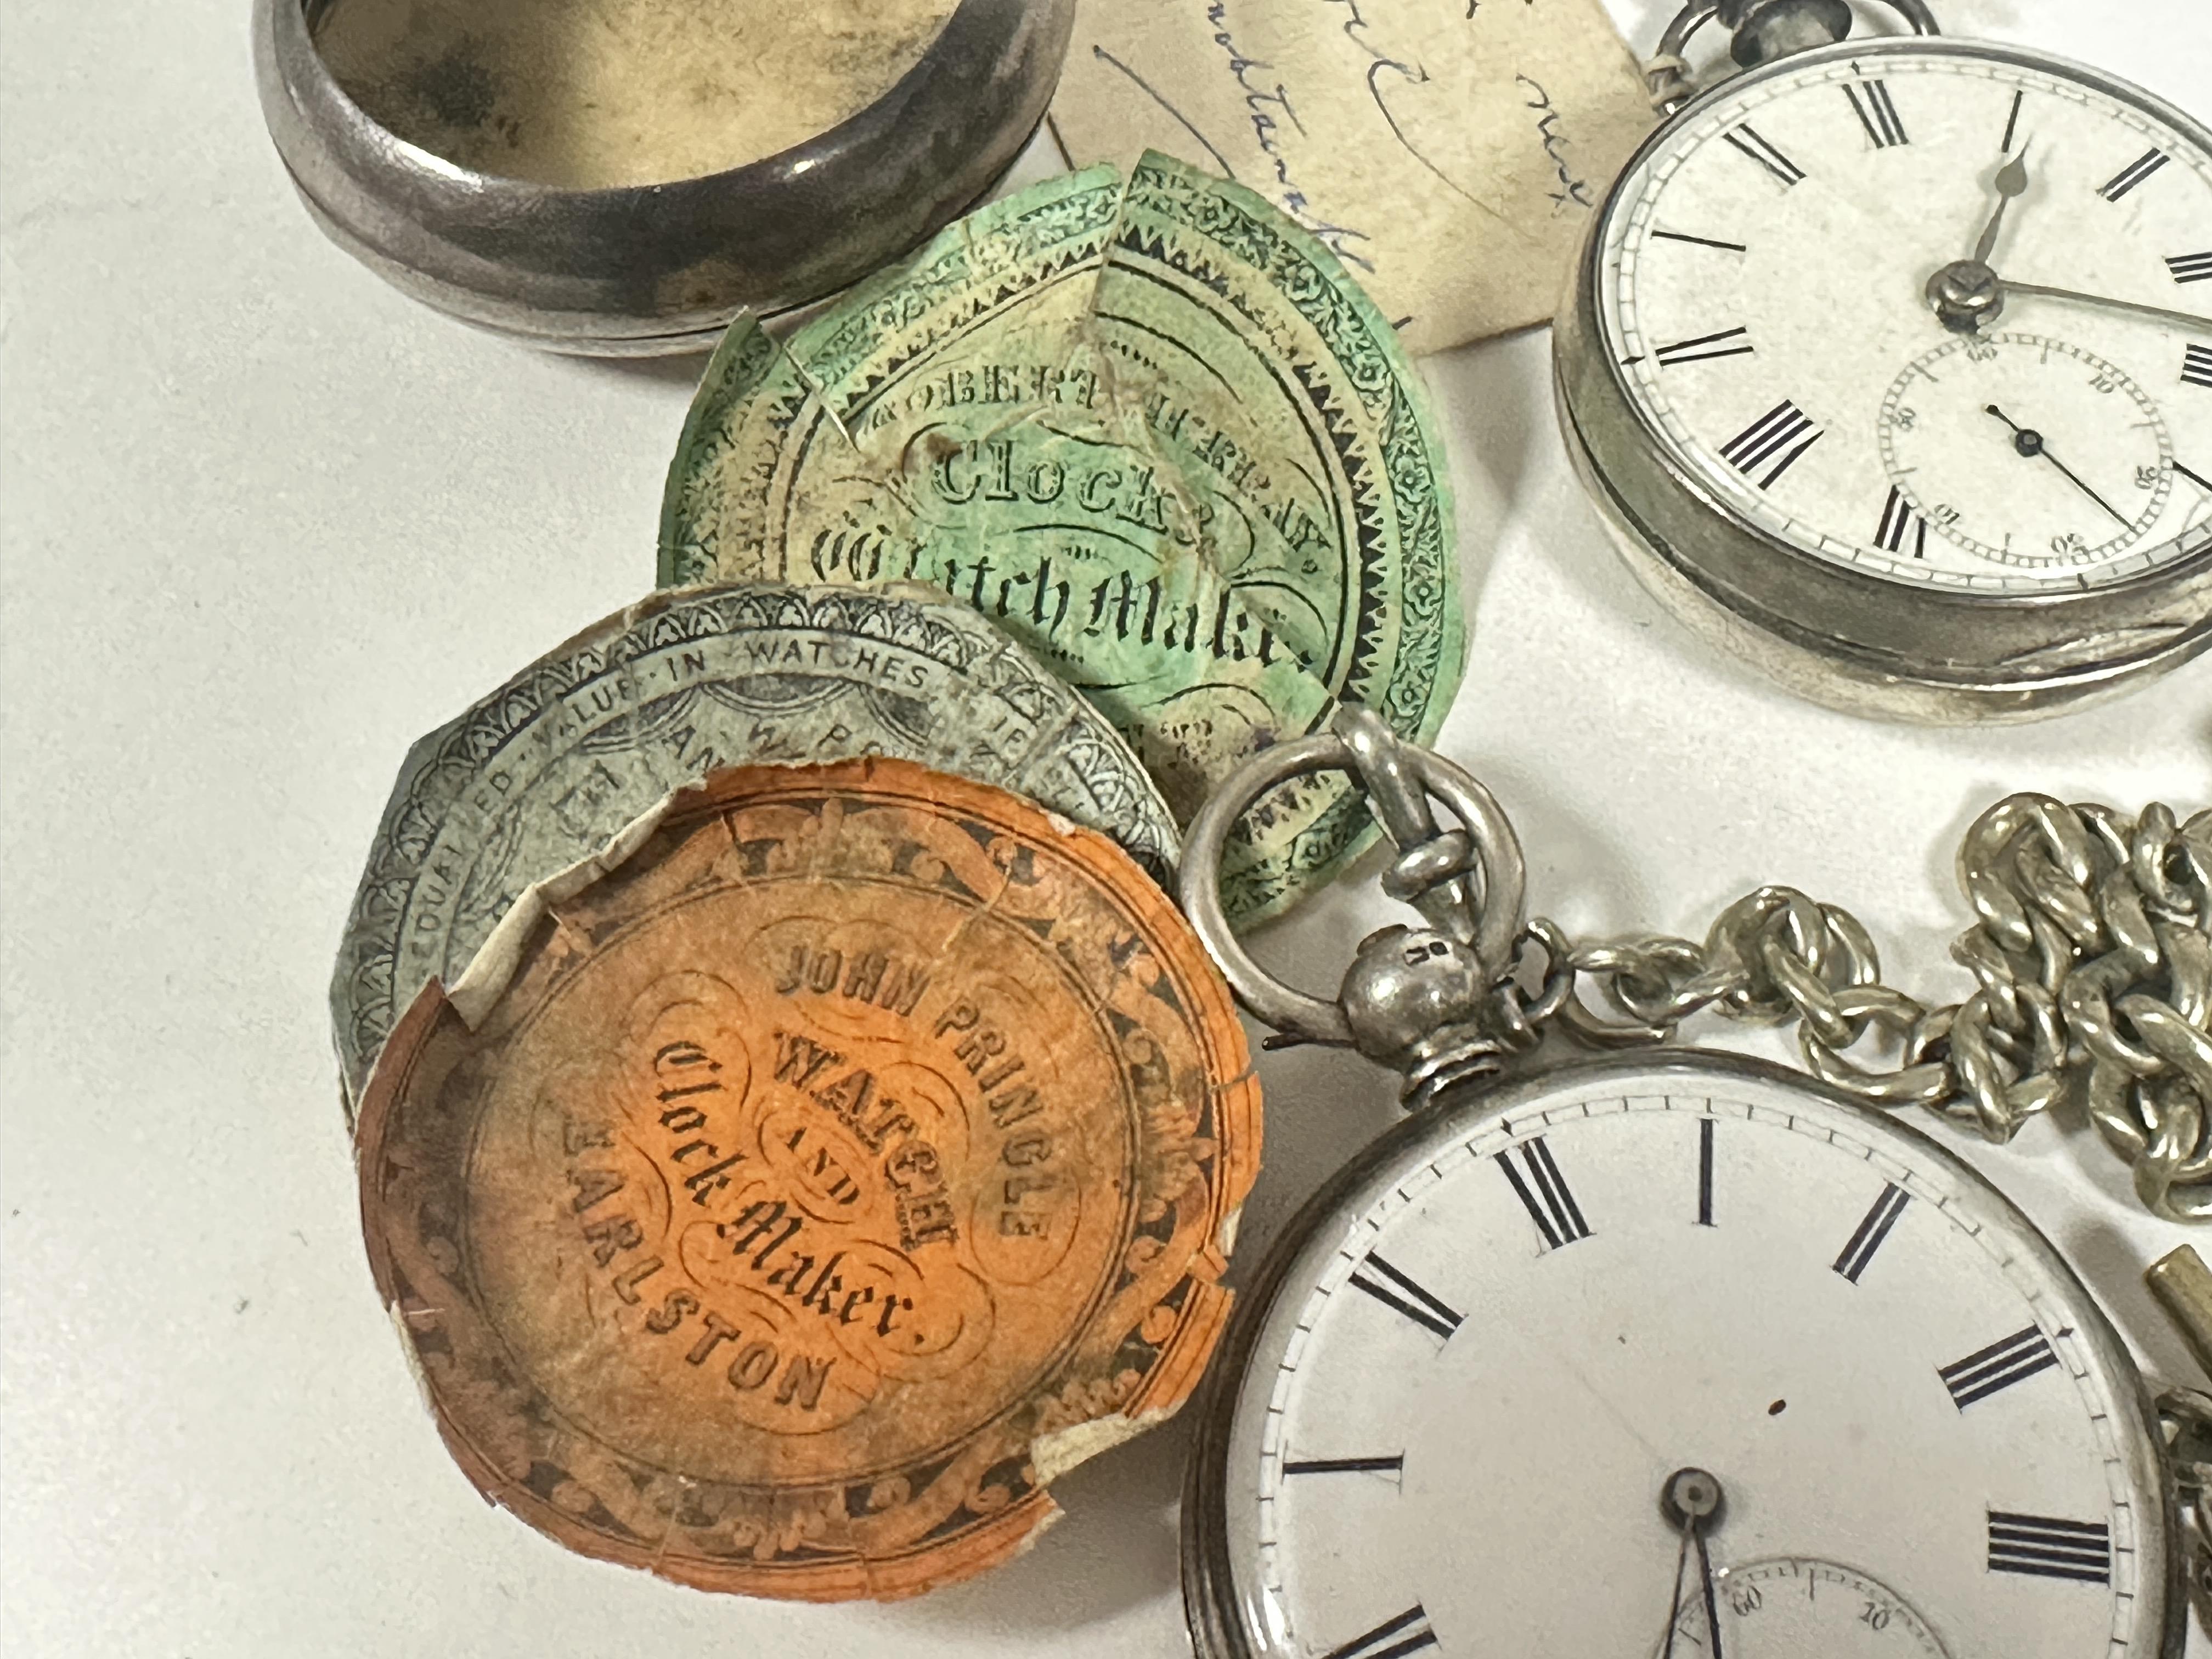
(1674, 1352)
(1888, 364)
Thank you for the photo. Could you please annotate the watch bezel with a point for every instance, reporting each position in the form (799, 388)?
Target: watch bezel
(1218, 1610)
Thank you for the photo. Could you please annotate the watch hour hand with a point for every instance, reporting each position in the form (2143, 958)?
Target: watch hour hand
(2011, 182)
(1969, 293)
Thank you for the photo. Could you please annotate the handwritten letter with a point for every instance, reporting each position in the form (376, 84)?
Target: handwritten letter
(1452, 152)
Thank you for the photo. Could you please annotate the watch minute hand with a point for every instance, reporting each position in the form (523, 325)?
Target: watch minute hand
(2186, 318)
(1712, 1607)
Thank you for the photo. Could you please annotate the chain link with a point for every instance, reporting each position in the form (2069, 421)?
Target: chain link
(2092, 960)
(2091, 953)
(2185, 1418)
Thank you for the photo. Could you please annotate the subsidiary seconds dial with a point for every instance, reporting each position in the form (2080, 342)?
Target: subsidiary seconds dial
(2025, 450)
(1931, 313)
(1789, 1608)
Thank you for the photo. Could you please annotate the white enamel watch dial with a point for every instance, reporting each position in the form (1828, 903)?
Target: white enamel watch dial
(1469, 1378)
(1757, 314)
(1791, 356)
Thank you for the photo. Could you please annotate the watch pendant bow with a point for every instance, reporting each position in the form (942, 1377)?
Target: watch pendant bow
(1888, 363)
(1591, 1357)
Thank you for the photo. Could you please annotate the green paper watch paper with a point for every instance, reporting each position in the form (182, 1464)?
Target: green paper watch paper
(1151, 429)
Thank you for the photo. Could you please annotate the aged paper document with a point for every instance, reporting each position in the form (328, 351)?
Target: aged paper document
(1451, 152)
(781, 1200)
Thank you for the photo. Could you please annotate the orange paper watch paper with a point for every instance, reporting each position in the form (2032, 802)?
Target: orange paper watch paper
(849, 1159)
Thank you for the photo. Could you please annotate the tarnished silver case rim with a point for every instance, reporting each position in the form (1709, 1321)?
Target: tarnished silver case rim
(1213, 1608)
(1839, 637)
(655, 269)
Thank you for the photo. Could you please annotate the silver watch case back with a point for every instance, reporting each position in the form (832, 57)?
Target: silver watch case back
(653, 270)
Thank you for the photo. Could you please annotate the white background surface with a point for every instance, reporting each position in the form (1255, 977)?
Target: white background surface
(265, 521)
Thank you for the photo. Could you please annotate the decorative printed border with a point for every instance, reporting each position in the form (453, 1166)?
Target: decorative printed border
(440, 769)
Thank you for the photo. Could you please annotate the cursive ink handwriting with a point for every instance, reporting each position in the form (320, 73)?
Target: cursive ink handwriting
(1182, 120)
(1260, 103)
(1572, 191)
(1380, 63)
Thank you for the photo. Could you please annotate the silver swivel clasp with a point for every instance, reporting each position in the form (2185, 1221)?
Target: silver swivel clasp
(1431, 1001)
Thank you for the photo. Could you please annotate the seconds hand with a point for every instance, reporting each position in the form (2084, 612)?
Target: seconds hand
(2029, 442)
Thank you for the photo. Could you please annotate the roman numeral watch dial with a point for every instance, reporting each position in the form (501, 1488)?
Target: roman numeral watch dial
(1672, 1354)
(1674, 1357)
(1890, 364)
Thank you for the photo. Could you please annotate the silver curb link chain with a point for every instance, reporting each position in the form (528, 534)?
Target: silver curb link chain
(2092, 958)
(2091, 954)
